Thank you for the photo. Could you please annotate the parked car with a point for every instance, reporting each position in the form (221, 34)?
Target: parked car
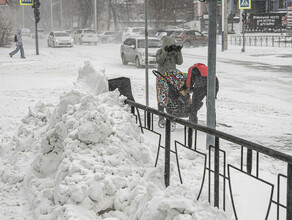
(107, 36)
(190, 38)
(133, 50)
(132, 32)
(85, 36)
(59, 39)
(41, 34)
(162, 33)
(25, 32)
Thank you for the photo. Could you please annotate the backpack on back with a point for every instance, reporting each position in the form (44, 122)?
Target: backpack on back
(15, 38)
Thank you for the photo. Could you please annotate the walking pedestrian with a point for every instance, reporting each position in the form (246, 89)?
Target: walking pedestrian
(167, 57)
(19, 44)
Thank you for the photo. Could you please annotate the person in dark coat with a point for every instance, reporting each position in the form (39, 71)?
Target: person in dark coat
(198, 84)
(167, 57)
(19, 45)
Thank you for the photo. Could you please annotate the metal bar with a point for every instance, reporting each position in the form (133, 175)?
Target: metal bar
(185, 135)
(241, 158)
(278, 197)
(190, 137)
(257, 171)
(289, 192)
(216, 173)
(209, 176)
(236, 140)
(148, 120)
(249, 161)
(196, 134)
(167, 153)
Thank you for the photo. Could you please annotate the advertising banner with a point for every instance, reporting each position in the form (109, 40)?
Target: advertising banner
(26, 2)
(289, 16)
(268, 22)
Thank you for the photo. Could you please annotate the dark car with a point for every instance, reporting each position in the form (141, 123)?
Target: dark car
(190, 38)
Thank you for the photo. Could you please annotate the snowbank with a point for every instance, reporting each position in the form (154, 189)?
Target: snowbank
(86, 159)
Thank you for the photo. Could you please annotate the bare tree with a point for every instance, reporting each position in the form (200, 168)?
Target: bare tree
(5, 32)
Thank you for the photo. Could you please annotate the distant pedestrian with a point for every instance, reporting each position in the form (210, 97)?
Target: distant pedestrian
(19, 44)
(167, 57)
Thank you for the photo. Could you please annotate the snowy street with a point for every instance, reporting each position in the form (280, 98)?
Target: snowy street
(254, 102)
(254, 98)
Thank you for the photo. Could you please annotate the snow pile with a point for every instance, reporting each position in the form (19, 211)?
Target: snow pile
(93, 163)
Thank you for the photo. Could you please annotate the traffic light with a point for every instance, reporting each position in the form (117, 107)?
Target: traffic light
(36, 5)
(243, 17)
(37, 14)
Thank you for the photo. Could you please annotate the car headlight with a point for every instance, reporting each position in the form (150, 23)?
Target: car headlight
(57, 40)
(71, 40)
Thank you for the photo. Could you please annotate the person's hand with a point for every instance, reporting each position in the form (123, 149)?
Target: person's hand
(178, 48)
(167, 48)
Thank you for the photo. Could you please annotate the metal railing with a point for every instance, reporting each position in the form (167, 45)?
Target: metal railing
(262, 40)
(215, 156)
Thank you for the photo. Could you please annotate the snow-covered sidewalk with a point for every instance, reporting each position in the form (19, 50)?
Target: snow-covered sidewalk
(58, 159)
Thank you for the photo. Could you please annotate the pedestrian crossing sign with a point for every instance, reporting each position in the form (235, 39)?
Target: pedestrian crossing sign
(26, 2)
(244, 4)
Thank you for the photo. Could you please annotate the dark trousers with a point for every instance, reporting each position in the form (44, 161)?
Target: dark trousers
(198, 96)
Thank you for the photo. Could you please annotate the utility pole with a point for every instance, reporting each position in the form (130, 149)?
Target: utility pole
(22, 16)
(146, 53)
(243, 29)
(61, 14)
(224, 26)
(52, 19)
(211, 80)
(95, 16)
(35, 6)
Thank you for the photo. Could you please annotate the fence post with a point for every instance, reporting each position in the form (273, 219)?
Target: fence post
(167, 153)
(279, 41)
(267, 38)
(148, 120)
(289, 192)
(285, 40)
(255, 41)
(272, 41)
(261, 41)
(249, 161)
(216, 173)
(190, 137)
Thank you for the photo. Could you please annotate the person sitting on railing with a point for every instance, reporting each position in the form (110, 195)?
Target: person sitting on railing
(167, 57)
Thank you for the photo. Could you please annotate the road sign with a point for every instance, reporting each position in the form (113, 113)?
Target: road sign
(3, 2)
(26, 2)
(244, 4)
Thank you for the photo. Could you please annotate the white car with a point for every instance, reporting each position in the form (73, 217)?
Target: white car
(132, 32)
(59, 39)
(133, 50)
(41, 34)
(85, 36)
